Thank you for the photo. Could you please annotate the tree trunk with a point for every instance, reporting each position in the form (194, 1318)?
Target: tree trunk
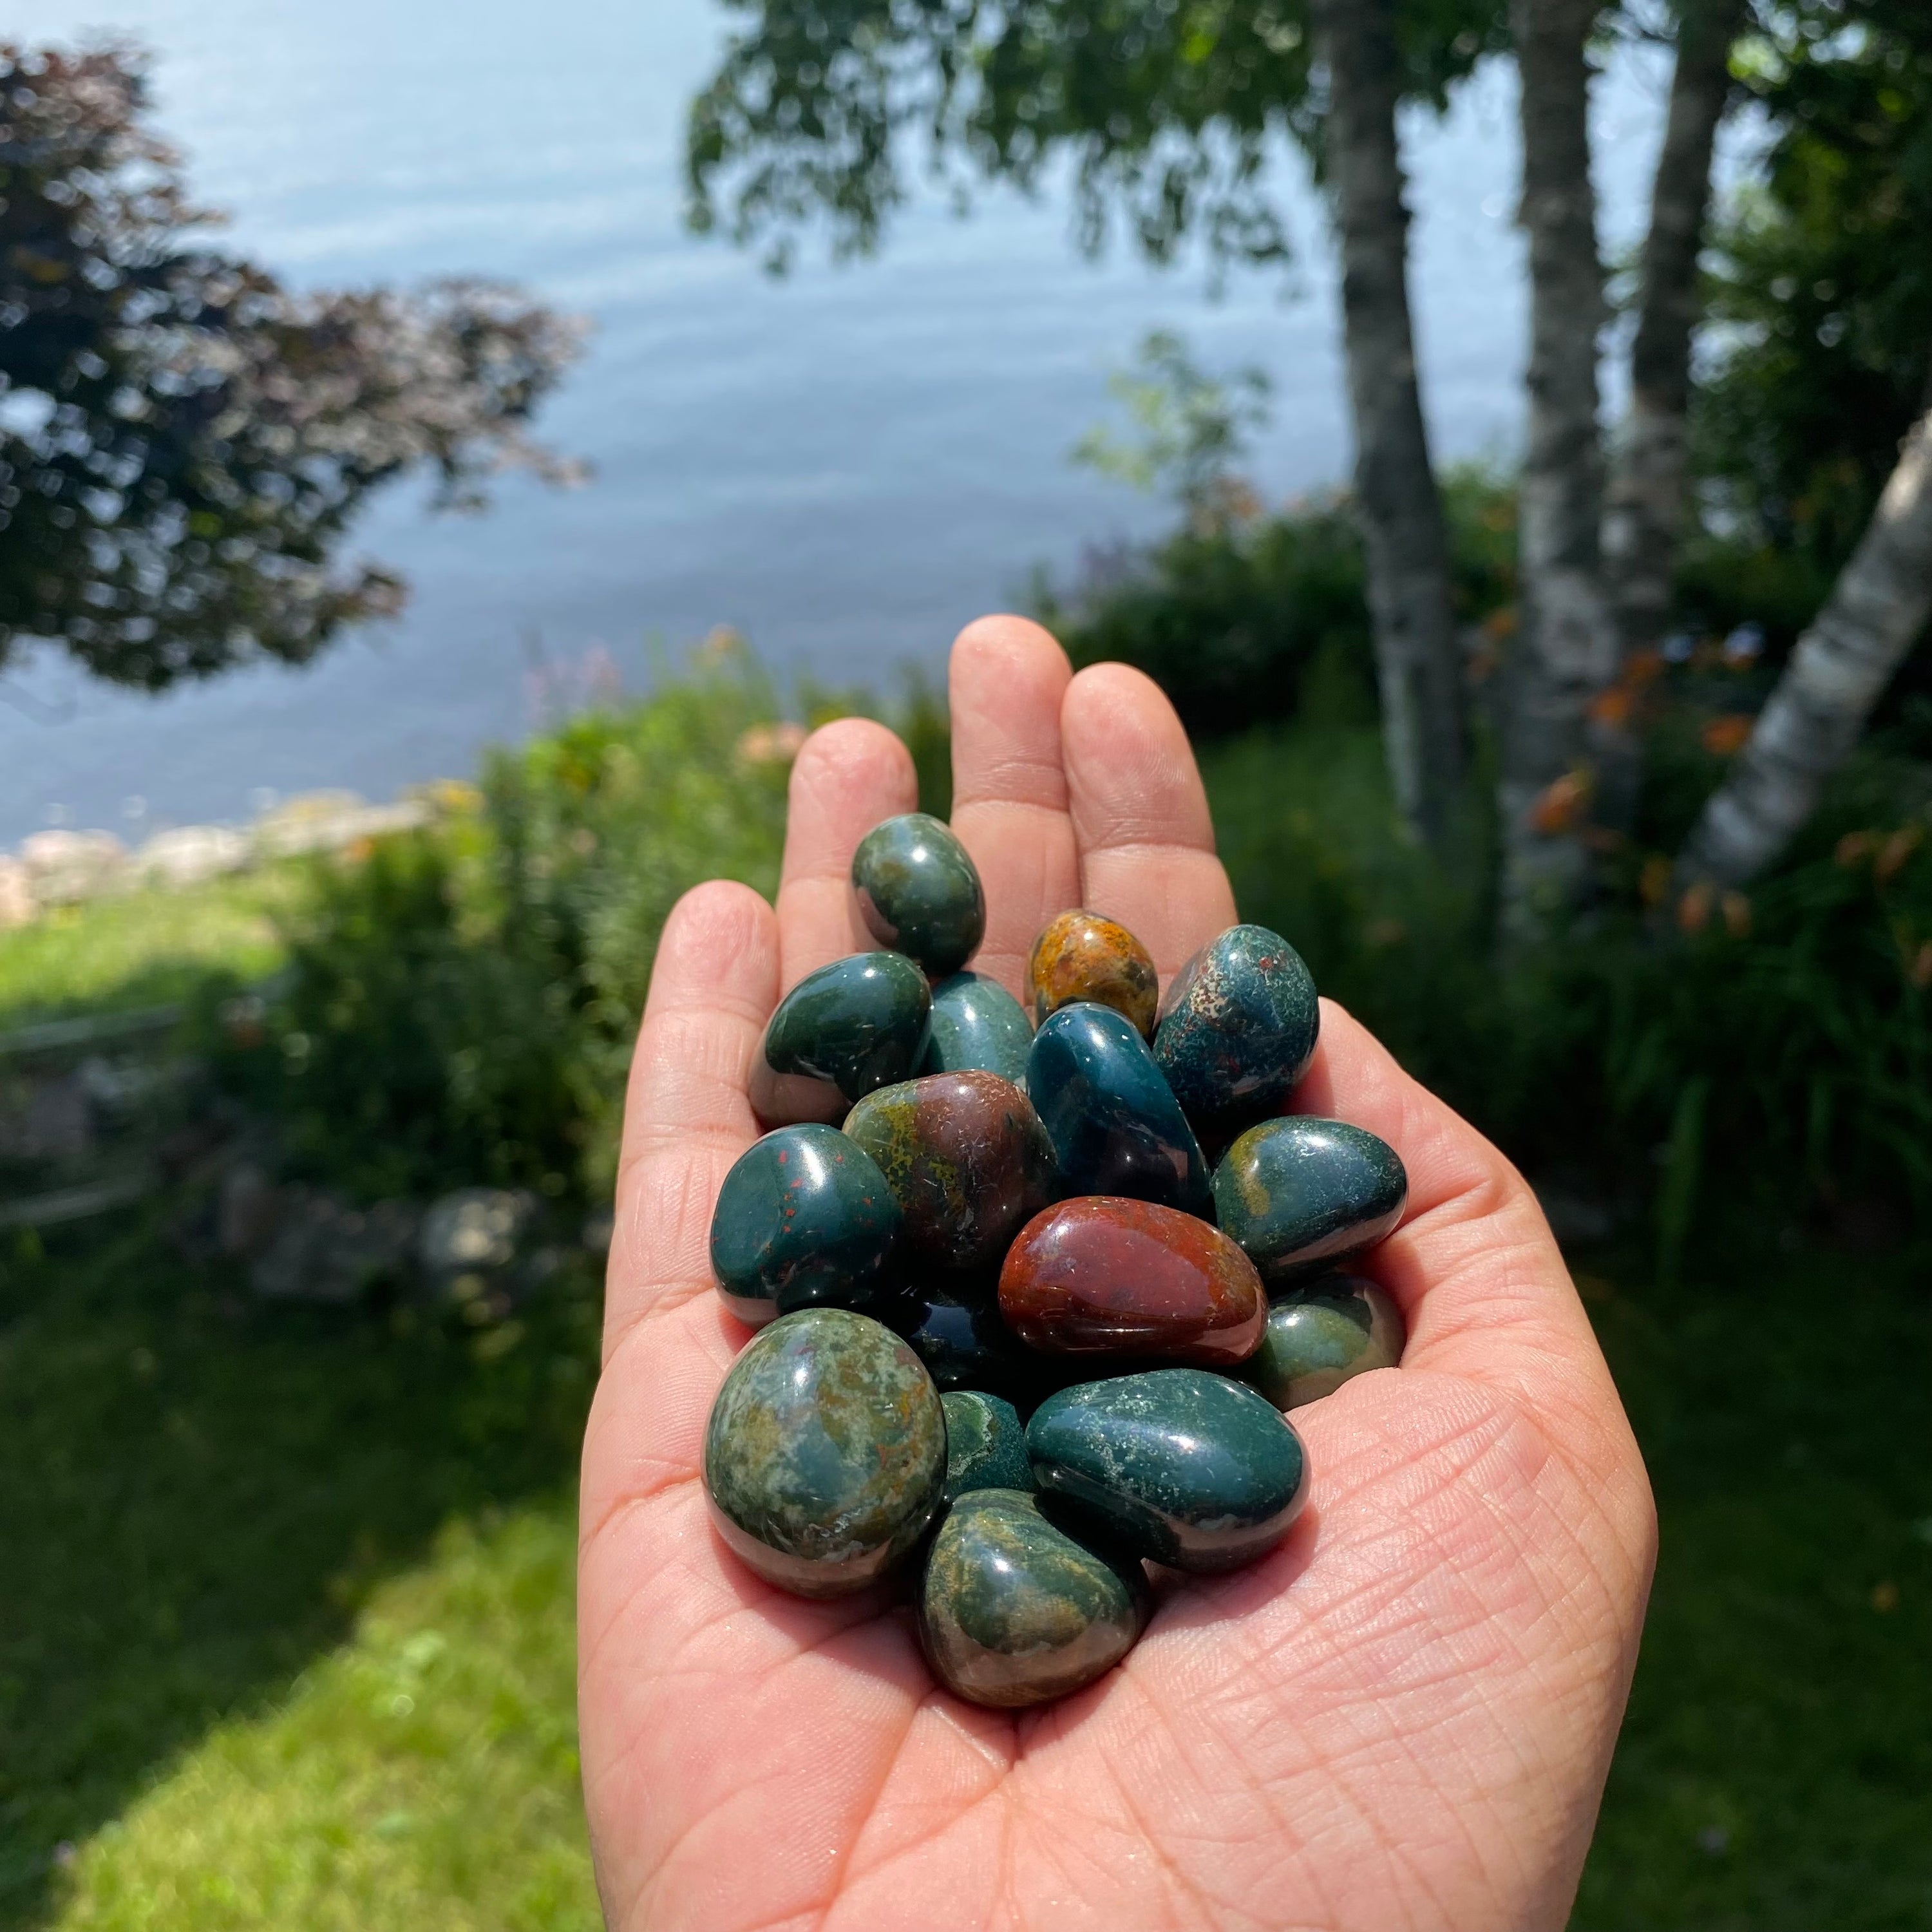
(1844, 661)
(1566, 646)
(1418, 655)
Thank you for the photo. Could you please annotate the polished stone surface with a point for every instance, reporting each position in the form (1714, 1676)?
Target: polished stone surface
(1013, 1611)
(1108, 1278)
(1238, 1029)
(1115, 1126)
(985, 1444)
(1318, 1337)
(955, 1329)
(1187, 1468)
(860, 1023)
(825, 1456)
(1299, 1193)
(804, 1217)
(977, 1024)
(1082, 956)
(919, 892)
(966, 1158)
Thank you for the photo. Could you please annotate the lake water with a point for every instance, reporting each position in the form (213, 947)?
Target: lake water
(846, 465)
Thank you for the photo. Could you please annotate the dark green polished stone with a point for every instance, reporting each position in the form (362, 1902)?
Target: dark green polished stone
(860, 1023)
(985, 1444)
(1187, 1468)
(1012, 1610)
(977, 1024)
(1299, 1193)
(957, 1332)
(825, 1456)
(919, 892)
(804, 1217)
(1238, 1029)
(966, 1158)
(1318, 1337)
(1114, 1124)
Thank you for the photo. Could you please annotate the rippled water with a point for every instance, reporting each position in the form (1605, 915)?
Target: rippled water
(846, 465)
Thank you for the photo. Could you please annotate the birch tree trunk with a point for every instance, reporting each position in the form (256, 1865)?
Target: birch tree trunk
(1418, 656)
(1876, 609)
(1566, 648)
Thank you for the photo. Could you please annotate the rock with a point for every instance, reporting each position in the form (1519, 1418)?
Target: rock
(1188, 1468)
(324, 1249)
(825, 1455)
(919, 892)
(1299, 1193)
(1082, 956)
(1102, 1278)
(977, 1024)
(985, 1444)
(960, 1337)
(1318, 1337)
(858, 1023)
(1014, 1611)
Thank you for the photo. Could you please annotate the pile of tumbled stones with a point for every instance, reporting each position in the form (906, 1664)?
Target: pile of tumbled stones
(1016, 1338)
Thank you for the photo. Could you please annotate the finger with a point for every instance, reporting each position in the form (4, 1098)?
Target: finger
(1005, 682)
(847, 777)
(1146, 839)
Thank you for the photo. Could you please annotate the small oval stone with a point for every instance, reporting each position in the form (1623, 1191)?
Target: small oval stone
(1319, 1337)
(860, 1023)
(966, 1158)
(825, 1456)
(1107, 1277)
(1115, 1126)
(1014, 1611)
(1081, 955)
(1299, 1193)
(1238, 1029)
(985, 1444)
(977, 1025)
(919, 892)
(1188, 1468)
(964, 1343)
(804, 1217)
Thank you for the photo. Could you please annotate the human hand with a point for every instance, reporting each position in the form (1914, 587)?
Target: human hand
(1400, 1719)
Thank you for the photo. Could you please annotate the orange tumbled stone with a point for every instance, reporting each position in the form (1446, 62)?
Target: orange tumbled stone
(1102, 1276)
(1083, 956)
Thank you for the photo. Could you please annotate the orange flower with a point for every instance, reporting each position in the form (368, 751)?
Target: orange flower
(1724, 737)
(1920, 971)
(1737, 911)
(1613, 706)
(1854, 847)
(1560, 803)
(1693, 909)
(1896, 850)
(1500, 624)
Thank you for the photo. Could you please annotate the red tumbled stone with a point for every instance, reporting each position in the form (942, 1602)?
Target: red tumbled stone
(1100, 1275)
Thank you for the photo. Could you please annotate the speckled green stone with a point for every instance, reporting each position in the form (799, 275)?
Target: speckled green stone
(985, 1444)
(1014, 1611)
(977, 1024)
(825, 1456)
(1185, 1467)
(1318, 1338)
(919, 892)
(1299, 1193)
(860, 1023)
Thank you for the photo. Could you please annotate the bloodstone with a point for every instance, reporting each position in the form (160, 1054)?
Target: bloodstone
(1238, 1029)
(1115, 1126)
(1015, 1611)
(975, 1024)
(918, 892)
(1298, 1193)
(1083, 956)
(966, 1158)
(825, 1456)
(1188, 1468)
(985, 1444)
(1108, 1277)
(804, 1216)
(860, 1023)
(1319, 1337)
(964, 1343)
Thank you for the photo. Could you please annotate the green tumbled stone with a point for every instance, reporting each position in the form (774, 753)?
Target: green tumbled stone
(919, 892)
(1319, 1337)
(825, 1456)
(985, 1444)
(1187, 1468)
(1014, 1611)
(977, 1024)
(860, 1023)
(1300, 1194)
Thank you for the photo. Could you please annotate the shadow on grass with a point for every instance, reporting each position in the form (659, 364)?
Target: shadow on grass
(198, 1495)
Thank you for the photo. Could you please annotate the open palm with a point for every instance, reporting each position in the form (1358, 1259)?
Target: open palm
(1401, 1718)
